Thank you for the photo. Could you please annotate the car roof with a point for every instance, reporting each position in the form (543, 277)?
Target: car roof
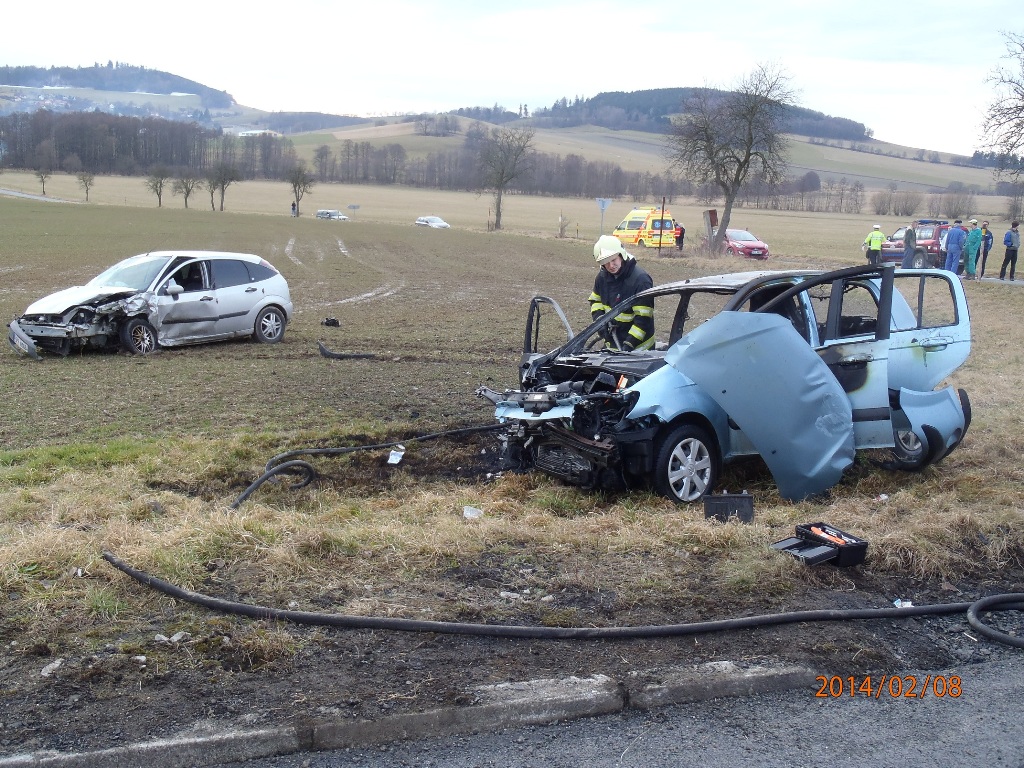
(201, 255)
(732, 280)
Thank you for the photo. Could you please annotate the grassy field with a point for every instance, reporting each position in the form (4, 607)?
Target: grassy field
(144, 456)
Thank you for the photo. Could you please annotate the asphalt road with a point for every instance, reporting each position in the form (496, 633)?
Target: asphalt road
(980, 726)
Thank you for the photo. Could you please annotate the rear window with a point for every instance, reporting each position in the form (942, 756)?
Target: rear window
(229, 272)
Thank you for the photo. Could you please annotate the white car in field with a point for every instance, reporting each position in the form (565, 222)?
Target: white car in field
(434, 222)
(162, 298)
(331, 214)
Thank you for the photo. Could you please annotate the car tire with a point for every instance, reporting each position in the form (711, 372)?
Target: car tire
(686, 467)
(909, 452)
(269, 326)
(730, 252)
(138, 337)
(920, 260)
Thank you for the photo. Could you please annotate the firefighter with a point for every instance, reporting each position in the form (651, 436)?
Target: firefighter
(619, 278)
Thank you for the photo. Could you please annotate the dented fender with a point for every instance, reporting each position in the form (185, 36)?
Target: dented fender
(939, 419)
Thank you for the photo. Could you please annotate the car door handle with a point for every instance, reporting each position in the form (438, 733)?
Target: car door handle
(858, 360)
(931, 345)
(250, 289)
(207, 298)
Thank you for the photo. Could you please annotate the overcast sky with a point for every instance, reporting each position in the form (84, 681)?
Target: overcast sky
(912, 71)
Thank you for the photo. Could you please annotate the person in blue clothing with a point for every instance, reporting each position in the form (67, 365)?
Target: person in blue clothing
(1012, 242)
(956, 238)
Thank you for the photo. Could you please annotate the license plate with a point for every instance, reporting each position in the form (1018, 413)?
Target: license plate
(21, 344)
(755, 252)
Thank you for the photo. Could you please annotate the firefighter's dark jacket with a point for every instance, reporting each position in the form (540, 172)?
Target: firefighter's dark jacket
(635, 324)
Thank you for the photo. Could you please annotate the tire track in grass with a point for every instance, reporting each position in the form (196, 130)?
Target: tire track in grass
(288, 252)
(381, 292)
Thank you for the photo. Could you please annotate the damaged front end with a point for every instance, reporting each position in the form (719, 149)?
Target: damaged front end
(92, 323)
(576, 432)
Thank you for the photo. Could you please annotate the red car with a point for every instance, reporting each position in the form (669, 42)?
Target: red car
(739, 242)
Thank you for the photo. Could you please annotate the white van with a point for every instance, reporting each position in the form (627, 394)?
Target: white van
(331, 214)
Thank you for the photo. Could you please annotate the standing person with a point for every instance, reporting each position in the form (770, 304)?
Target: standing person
(619, 278)
(1012, 242)
(874, 243)
(986, 244)
(680, 235)
(909, 246)
(294, 211)
(973, 248)
(956, 238)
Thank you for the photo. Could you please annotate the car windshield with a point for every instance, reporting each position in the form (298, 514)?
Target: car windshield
(136, 273)
(741, 234)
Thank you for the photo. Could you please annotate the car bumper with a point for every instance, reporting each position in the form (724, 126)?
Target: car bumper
(20, 341)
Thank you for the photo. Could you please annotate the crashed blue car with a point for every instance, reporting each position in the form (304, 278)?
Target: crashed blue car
(803, 368)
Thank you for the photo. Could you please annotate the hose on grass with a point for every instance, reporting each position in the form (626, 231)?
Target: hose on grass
(1009, 601)
(284, 463)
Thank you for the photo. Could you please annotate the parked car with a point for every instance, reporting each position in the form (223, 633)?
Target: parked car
(331, 214)
(930, 250)
(434, 222)
(162, 298)
(740, 242)
(802, 368)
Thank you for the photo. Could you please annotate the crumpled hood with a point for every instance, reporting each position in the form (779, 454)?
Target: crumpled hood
(61, 301)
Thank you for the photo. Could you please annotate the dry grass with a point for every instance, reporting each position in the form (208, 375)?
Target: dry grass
(144, 456)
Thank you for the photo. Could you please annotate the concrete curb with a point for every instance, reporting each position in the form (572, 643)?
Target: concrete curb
(507, 705)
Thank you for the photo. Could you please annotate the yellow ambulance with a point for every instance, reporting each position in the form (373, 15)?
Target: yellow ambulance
(647, 227)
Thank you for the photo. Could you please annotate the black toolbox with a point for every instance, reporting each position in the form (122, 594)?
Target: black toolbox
(725, 505)
(823, 543)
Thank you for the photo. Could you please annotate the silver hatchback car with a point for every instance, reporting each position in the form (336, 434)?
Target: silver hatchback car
(161, 298)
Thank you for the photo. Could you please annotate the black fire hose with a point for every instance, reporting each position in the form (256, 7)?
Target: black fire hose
(284, 464)
(1011, 601)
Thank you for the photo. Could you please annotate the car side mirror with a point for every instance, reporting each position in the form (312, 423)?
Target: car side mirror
(173, 289)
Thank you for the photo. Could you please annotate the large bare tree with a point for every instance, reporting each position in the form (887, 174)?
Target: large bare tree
(1003, 128)
(725, 138)
(301, 181)
(505, 157)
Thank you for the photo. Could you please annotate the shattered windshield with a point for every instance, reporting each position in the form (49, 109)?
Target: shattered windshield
(137, 273)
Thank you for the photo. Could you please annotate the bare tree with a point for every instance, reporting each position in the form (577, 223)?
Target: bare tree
(186, 183)
(505, 157)
(301, 181)
(1003, 129)
(43, 174)
(219, 178)
(155, 183)
(86, 181)
(724, 138)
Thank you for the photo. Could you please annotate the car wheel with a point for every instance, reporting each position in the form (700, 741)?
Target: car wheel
(687, 464)
(138, 337)
(909, 452)
(641, 244)
(269, 327)
(919, 261)
(730, 252)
